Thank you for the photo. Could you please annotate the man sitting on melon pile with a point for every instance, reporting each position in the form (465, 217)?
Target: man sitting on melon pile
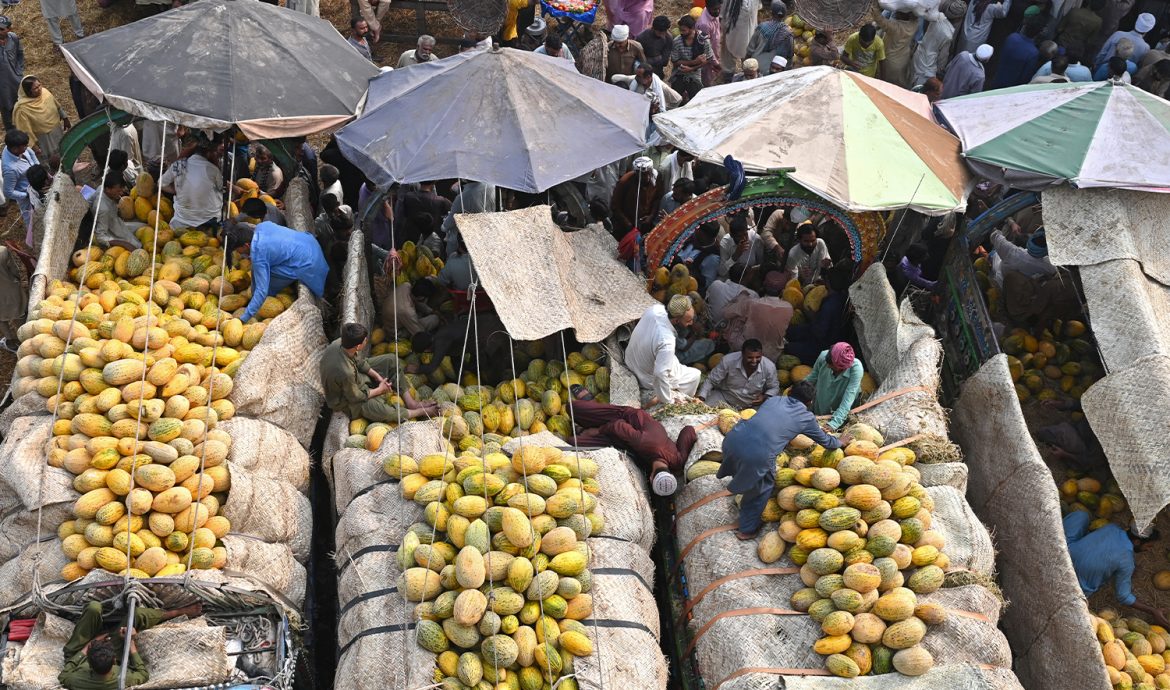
(109, 229)
(196, 183)
(651, 355)
(346, 376)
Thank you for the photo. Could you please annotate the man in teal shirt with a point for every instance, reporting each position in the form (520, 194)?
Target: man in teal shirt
(837, 377)
(1105, 553)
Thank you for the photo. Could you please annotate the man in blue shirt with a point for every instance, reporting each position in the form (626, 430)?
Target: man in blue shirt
(1019, 57)
(1104, 553)
(751, 447)
(280, 256)
(1076, 70)
(15, 162)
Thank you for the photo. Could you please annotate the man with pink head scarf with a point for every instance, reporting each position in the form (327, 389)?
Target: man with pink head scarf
(837, 378)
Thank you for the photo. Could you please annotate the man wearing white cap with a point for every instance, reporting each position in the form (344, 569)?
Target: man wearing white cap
(623, 53)
(651, 355)
(779, 64)
(1145, 24)
(965, 73)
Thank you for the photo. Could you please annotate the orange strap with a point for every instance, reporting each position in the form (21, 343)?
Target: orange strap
(878, 401)
(695, 542)
(734, 613)
(805, 672)
(702, 502)
(970, 614)
(691, 603)
(903, 442)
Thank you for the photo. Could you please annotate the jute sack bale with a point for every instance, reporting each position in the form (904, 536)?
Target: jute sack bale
(41, 658)
(265, 450)
(916, 411)
(884, 330)
(385, 659)
(184, 654)
(950, 677)
(18, 529)
(271, 564)
(623, 498)
(24, 468)
(623, 385)
(378, 517)
(355, 469)
(31, 404)
(335, 436)
(708, 446)
(43, 559)
(768, 640)
(624, 626)
(968, 544)
(271, 510)
(280, 380)
(953, 474)
(1007, 472)
(62, 218)
(371, 598)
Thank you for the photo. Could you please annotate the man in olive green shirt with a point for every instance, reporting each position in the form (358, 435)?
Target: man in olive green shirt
(90, 654)
(346, 375)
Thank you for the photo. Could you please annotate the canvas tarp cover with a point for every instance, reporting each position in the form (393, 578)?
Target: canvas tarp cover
(543, 280)
(1116, 238)
(1007, 472)
(213, 64)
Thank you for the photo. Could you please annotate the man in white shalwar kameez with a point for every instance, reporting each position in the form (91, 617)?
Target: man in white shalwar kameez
(738, 19)
(651, 355)
(54, 11)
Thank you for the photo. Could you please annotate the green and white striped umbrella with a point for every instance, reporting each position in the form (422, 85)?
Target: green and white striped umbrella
(1098, 134)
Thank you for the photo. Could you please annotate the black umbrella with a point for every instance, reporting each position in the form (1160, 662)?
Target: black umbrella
(212, 64)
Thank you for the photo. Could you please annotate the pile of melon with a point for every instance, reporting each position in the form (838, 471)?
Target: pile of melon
(1103, 501)
(1136, 653)
(137, 365)
(499, 571)
(145, 206)
(535, 401)
(859, 525)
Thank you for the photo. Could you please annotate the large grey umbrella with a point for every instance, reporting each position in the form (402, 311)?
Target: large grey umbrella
(506, 117)
(273, 72)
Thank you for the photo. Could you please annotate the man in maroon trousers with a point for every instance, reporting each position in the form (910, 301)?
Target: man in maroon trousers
(632, 429)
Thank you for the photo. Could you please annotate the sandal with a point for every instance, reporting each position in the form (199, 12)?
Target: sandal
(743, 536)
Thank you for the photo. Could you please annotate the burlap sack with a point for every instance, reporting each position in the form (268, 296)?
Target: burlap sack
(625, 619)
(377, 518)
(43, 560)
(335, 436)
(1007, 472)
(280, 381)
(901, 352)
(61, 220)
(264, 450)
(271, 510)
(884, 330)
(769, 640)
(184, 654)
(270, 564)
(41, 658)
(623, 385)
(28, 405)
(23, 468)
(18, 528)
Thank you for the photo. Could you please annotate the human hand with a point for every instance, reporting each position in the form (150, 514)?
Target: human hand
(826, 262)
(845, 439)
